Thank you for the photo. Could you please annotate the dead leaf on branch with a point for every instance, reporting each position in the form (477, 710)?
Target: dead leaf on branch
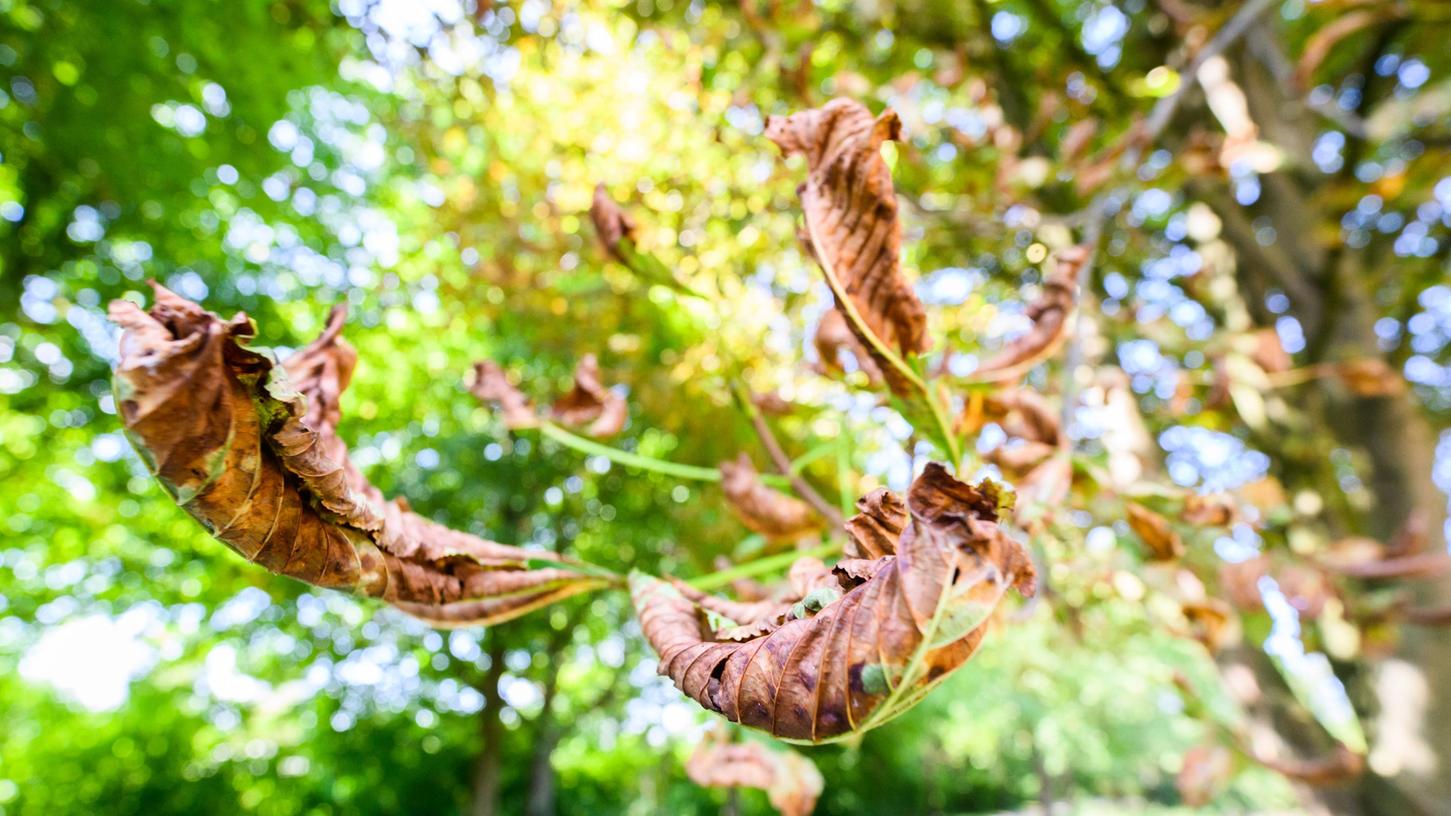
(249, 448)
(833, 337)
(790, 780)
(590, 404)
(491, 384)
(1050, 314)
(1153, 529)
(1204, 773)
(612, 223)
(1370, 377)
(851, 218)
(902, 621)
(771, 513)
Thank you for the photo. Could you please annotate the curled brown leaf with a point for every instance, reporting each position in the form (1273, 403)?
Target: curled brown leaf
(1210, 510)
(249, 448)
(1049, 313)
(856, 657)
(791, 781)
(602, 412)
(491, 385)
(833, 337)
(1370, 377)
(1153, 529)
(612, 224)
(773, 514)
(851, 218)
(1341, 765)
(1203, 774)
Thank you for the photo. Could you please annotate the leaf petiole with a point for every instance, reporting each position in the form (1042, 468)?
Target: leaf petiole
(761, 566)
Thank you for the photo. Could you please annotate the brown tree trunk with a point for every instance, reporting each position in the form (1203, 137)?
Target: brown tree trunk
(488, 770)
(1405, 701)
(547, 733)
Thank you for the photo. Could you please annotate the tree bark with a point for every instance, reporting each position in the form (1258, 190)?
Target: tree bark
(1405, 700)
(488, 770)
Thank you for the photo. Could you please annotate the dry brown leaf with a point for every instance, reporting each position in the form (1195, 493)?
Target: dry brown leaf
(1153, 529)
(834, 336)
(851, 661)
(491, 385)
(1306, 588)
(1049, 313)
(1210, 510)
(1370, 377)
(1076, 139)
(1204, 773)
(772, 404)
(1269, 353)
(1320, 44)
(589, 403)
(1239, 581)
(611, 223)
(1210, 622)
(250, 449)
(1340, 766)
(791, 781)
(851, 218)
(771, 513)
(1422, 565)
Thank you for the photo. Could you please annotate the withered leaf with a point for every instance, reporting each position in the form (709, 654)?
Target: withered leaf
(1210, 510)
(1341, 765)
(249, 448)
(772, 403)
(611, 223)
(602, 412)
(869, 654)
(791, 781)
(851, 217)
(833, 337)
(1370, 377)
(1210, 622)
(773, 514)
(1049, 313)
(491, 385)
(1153, 529)
(1204, 773)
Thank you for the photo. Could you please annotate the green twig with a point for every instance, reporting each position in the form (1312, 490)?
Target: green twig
(761, 566)
(590, 447)
(944, 429)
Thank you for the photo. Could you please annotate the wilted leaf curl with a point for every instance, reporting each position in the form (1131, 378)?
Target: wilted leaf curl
(771, 513)
(904, 621)
(1050, 313)
(491, 385)
(611, 222)
(790, 780)
(851, 217)
(249, 448)
(590, 404)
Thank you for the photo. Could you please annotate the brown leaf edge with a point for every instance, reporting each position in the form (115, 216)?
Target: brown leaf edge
(249, 449)
(850, 208)
(1050, 314)
(612, 223)
(771, 513)
(900, 623)
(589, 405)
(791, 781)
